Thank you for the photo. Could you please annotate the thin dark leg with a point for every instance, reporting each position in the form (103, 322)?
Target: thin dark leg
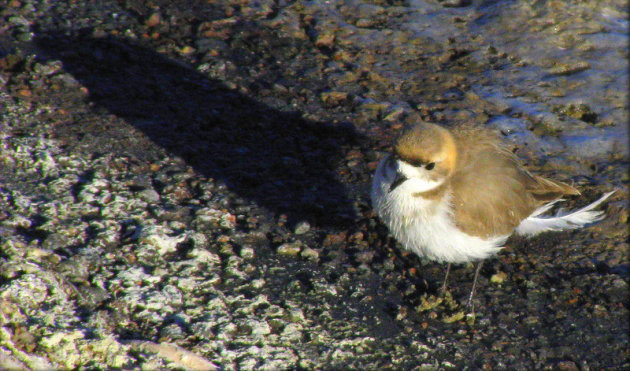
(448, 269)
(474, 286)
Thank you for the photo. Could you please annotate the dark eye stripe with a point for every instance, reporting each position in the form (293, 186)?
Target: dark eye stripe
(416, 163)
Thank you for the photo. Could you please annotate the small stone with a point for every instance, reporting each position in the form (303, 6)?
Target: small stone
(153, 20)
(599, 310)
(187, 50)
(247, 253)
(302, 227)
(365, 257)
(579, 111)
(325, 40)
(566, 366)
(177, 356)
(26, 92)
(310, 254)
(623, 216)
(498, 277)
(374, 110)
(92, 296)
(10, 61)
(149, 196)
(335, 239)
(296, 315)
(158, 238)
(292, 332)
(334, 98)
(290, 249)
(455, 3)
(257, 283)
(395, 114)
(366, 22)
(48, 68)
(563, 69)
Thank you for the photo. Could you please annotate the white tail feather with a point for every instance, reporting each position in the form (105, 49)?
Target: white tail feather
(534, 224)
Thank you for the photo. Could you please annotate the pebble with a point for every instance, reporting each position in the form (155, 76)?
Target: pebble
(310, 254)
(149, 195)
(290, 249)
(498, 277)
(562, 69)
(247, 252)
(302, 227)
(325, 40)
(334, 98)
(168, 235)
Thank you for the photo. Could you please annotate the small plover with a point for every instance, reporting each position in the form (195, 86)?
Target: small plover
(456, 195)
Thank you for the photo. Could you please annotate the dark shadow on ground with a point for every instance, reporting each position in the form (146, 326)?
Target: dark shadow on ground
(279, 160)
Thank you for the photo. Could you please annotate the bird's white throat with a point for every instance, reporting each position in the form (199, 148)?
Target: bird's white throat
(418, 179)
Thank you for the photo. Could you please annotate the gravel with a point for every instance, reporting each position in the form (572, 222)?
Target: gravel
(184, 185)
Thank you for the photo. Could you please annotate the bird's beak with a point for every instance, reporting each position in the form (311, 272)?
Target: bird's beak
(400, 179)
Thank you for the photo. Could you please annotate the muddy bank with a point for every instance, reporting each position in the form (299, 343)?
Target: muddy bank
(184, 185)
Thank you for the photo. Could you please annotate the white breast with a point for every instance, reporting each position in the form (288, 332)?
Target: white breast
(426, 226)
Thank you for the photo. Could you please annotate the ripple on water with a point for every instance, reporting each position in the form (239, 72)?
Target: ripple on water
(563, 59)
(559, 55)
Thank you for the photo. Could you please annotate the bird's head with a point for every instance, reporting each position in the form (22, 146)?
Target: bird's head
(423, 157)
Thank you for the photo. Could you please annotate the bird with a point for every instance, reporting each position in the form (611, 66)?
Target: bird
(454, 195)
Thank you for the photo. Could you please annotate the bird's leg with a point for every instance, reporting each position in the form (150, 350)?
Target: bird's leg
(474, 285)
(448, 269)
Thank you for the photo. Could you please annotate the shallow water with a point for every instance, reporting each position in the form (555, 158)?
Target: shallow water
(570, 55)
(113, 150)
(567, 69)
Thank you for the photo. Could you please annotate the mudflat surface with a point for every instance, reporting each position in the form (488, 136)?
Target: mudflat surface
(184, 184)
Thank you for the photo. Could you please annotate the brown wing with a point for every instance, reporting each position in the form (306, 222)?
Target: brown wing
(546, 190)
(492, 193)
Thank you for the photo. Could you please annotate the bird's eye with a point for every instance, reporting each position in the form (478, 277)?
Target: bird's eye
(430, 166)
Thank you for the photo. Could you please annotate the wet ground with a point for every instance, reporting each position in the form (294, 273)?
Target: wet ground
(183, 184)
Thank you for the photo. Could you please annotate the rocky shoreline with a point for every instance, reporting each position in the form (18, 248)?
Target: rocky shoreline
(184, 185)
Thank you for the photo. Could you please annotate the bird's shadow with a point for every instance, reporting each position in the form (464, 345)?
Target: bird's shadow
(279, 160)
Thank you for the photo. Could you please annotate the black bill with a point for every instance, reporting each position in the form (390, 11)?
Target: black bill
(400, 179)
